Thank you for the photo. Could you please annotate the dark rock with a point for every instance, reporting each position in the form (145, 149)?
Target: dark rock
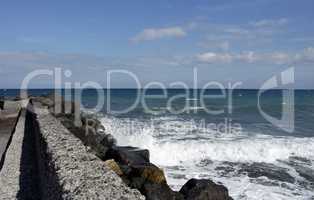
(205, 162)
(225, 170)
(153, 191)
(204, 189)
(306, 173)
(295, 159)
(139, 173)
(91, 120)
(177, 176)
(128, 155)
(302, 166)
(91, 133)
(270, 171)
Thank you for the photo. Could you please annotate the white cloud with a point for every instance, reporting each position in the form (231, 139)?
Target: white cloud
(211, 57)
(270, 22)
(306, 56)
(155, 34)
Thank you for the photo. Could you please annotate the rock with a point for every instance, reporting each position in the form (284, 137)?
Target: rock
(153, 191)
(204, 189)
(99, 144)
(306, 173)
(302, 166)
(57, 104)
(107, 140)
(139, 173)
(44, 101)
(297, 159)
(128, 155)
(114, 167)
(154, 174)
(271, 171)
(146, 173)
(92, 134)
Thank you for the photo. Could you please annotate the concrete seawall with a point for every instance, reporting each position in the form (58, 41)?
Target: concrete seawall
(45, 161)
(11, 171)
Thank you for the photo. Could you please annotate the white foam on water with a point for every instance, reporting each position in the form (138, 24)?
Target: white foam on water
(178, 148)
(267, 149)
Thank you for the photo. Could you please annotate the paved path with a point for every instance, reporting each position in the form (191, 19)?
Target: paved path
(8, 118)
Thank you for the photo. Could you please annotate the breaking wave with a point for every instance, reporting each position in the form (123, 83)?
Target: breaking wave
(182, 153)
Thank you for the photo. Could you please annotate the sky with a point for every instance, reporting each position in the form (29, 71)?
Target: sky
(246, 41)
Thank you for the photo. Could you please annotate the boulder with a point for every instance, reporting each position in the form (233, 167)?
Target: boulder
(92, 134)
(153, 191)
(306, 173)
(114, 167)
(204, 189)
(140, 174)
(270, 171)
(128, 155)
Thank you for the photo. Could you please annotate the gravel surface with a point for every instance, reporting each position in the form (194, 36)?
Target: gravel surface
(80, 174)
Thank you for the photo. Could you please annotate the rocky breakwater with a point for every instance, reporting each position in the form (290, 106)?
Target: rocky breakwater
(131, 163)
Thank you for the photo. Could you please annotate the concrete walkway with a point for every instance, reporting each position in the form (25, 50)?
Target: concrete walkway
(8, 118)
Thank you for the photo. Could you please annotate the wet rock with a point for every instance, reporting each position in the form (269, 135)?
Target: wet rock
(153, 191)
(147, 173)
(270, 171)
(128, 155)
(91, 120)
(296, 159)
(306, 173)
(205, 162)
(302, 166)
(139, 173)
(225, 170)
(177, 176)
(114, 167)
(204, 189)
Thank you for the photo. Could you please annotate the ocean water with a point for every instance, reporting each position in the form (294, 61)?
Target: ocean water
(237, 147)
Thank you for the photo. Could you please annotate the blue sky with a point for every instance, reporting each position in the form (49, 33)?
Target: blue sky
(247, 41)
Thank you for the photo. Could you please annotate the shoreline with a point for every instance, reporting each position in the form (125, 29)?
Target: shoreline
(131, 163)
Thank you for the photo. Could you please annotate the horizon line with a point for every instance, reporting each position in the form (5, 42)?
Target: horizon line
(152, 88)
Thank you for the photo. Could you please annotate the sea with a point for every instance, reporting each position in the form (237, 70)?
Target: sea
(230, 137)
